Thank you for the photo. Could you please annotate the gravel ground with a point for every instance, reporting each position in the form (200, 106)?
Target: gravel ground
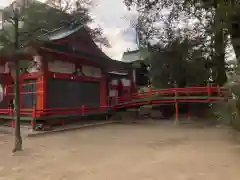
(146, 151)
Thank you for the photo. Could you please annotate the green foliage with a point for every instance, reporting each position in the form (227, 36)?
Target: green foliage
(38, 19)
(228, 111)
(212, 25)
(6, 40)
(178, 64)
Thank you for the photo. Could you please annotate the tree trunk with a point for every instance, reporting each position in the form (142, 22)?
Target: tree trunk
(219, 58)
(219, 46)
(18, 138)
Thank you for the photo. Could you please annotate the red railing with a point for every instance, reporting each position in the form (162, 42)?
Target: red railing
(174, 92)
(210, 94)
(34, 113)
(83, 110)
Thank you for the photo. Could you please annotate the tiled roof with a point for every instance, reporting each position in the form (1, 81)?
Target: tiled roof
(85, 48)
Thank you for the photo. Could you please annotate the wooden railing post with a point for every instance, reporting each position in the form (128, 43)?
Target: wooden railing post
(218, 90)
(209, 89)
(177, 111)
(176, 107)
(62, 122)
(34, 115)
(150, 92)
(83, 109)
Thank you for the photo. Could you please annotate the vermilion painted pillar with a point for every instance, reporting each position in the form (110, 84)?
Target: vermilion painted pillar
(42, 82)
(45, 84)
(176, 107)
(21, 84)
(177, 111)
(40, 92)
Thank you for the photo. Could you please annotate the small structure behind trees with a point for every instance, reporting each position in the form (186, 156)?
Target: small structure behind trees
(139, 61)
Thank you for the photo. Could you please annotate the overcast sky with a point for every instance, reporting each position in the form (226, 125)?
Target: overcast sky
(111, 16)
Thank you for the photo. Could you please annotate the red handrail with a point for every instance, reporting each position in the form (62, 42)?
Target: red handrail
(85, 109)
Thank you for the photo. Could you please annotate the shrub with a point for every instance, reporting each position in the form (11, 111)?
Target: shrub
(228, 112)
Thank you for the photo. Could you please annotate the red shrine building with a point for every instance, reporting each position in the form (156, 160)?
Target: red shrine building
(69, 70)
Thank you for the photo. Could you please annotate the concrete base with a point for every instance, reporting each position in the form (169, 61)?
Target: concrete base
(27, 132)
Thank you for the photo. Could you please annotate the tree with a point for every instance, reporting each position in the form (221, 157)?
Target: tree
(30, 21)
(181, 48)
(62, 13)
(178, 64)
(14, 18)
(211, 21)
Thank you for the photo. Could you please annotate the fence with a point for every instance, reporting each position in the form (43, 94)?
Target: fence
(208, 94)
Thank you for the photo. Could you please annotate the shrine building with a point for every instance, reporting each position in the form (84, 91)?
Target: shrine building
(69, 70)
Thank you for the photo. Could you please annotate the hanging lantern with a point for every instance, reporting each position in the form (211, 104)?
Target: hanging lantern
(36, 64)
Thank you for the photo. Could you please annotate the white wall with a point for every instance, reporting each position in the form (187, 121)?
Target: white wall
(4, 68)
(70, 68)
(61, 67)
(126, 82)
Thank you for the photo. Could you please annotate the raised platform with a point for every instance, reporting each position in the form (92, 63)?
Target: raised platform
(28, 132)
